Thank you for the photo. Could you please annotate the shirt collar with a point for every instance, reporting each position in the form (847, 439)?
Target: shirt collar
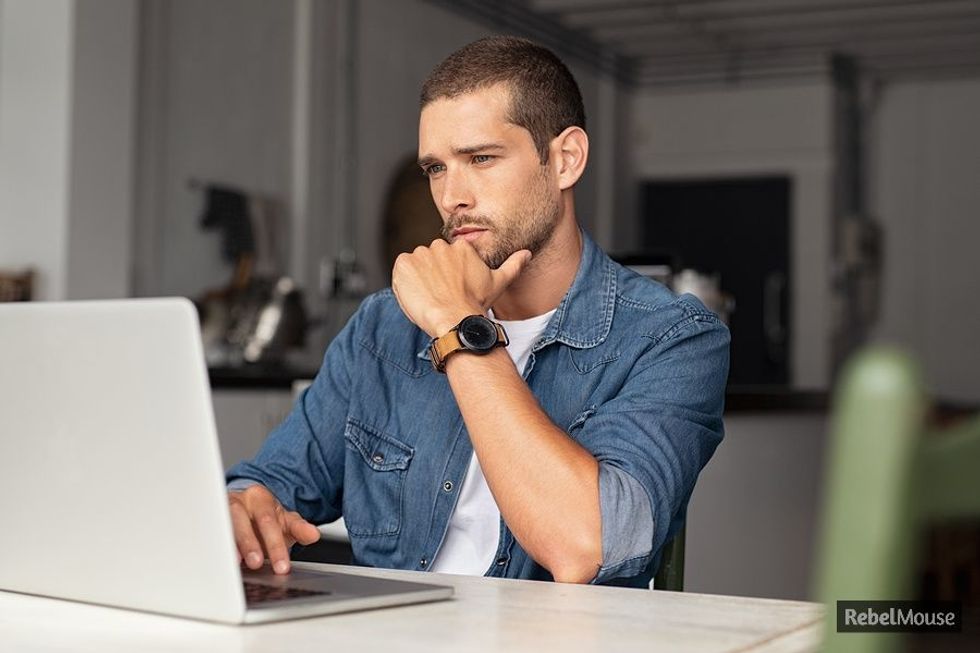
(584, 315)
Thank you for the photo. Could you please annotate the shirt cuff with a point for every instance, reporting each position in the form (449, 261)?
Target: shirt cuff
(240, 484)
(627, 524)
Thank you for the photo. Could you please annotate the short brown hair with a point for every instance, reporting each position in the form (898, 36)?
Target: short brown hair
(545, 100)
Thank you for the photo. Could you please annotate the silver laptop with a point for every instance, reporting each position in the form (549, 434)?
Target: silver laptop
(111, 482)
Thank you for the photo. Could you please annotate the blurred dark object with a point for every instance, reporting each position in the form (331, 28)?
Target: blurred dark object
(707, 288)
(739, 230)
(227, 209)
(856, 237)
(951, 565)
(410, 216)
(324, 550)
(260, 314)
(255, 323)
(657, 266)
(348, 280)
(16, 286)
(666, 269)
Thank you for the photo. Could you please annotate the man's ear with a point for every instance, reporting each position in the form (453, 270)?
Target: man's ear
(570, 152)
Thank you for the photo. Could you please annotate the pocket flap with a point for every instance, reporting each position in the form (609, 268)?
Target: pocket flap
(380, 451)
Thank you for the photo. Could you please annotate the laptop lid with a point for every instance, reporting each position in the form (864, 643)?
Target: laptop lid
(111, 483)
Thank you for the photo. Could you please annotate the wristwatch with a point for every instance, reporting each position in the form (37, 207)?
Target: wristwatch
(474, 333)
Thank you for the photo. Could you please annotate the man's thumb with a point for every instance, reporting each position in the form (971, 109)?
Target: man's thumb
(510, 269)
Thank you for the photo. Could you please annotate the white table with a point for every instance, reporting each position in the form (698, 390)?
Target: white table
(485, 615)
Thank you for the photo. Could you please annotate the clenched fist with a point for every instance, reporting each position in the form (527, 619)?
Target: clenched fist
(439, 285)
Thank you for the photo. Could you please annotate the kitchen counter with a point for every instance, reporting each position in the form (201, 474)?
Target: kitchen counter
(259, 377)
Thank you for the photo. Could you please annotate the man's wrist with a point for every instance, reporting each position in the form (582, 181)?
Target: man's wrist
(450, 319)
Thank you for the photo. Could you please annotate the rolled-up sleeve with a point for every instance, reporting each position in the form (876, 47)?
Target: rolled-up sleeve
(627, 521)
(653, 438)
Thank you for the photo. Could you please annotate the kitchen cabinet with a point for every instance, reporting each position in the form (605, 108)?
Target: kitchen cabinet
(245, 416)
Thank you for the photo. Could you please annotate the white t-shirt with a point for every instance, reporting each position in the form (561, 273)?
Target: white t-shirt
(474, 528)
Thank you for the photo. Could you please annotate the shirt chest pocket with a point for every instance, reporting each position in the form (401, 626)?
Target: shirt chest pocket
(374, 479)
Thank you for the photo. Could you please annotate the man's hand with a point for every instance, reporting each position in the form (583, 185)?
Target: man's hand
(262, 524)
(438, 285)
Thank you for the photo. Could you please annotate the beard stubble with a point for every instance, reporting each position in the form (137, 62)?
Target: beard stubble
(530, 227)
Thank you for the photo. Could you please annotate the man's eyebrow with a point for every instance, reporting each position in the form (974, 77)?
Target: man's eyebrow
(469, 149)
(482, 147)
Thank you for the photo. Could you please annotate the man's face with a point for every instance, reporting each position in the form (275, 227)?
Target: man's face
(486, 177)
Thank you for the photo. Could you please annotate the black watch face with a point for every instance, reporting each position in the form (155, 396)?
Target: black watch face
(477, 333)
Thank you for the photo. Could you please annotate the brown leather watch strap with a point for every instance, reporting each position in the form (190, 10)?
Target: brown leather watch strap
(449, 344)
(444, 346)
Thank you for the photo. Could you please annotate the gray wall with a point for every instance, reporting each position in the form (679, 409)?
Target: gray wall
(35, 113)
(216, 106)
(925, 158)
(754, 518)
(67, 110)
(103, 150)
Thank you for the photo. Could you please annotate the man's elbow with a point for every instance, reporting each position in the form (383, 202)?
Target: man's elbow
(579, 574)
(576, 564)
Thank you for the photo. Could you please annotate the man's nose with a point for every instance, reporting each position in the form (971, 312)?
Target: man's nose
(456, 194)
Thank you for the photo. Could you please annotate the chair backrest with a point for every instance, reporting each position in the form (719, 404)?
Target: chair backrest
(887, 477)
(670, 575)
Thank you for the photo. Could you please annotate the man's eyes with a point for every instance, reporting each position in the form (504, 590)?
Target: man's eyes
(438, 168)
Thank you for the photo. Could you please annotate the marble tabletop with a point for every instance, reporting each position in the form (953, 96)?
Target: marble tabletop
(486, 614)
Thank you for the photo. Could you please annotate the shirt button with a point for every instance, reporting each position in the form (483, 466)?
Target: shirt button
(501, 562)
(378, 458)
(448, 486)
(423, 562)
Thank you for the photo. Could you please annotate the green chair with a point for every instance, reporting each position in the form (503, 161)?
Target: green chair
(888, 476)
(670, 575)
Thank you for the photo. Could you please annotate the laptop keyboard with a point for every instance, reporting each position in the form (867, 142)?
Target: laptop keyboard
(257, 593)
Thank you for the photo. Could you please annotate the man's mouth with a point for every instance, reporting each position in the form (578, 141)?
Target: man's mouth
(467, 233)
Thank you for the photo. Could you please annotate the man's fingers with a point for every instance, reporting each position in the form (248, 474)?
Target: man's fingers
(301, 530)
(271, 533)
(510, 269)
(249, 548)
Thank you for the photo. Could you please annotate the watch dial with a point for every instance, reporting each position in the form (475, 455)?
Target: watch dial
(477, 333)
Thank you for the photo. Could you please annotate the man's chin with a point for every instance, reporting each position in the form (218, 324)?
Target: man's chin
(495, 259)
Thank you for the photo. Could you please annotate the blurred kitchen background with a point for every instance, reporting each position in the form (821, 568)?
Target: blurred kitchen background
(810, 168)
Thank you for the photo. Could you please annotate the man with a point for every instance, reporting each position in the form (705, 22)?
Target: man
(516, 404)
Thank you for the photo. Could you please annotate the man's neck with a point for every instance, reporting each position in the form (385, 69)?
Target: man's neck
(547, 277)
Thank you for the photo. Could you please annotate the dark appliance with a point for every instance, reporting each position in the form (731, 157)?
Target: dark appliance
(739, 230)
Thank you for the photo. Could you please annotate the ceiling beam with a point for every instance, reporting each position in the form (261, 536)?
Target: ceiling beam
(952, 9)
(920, 43)
(653, 13)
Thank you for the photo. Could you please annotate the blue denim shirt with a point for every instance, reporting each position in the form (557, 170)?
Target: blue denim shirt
(632, 372)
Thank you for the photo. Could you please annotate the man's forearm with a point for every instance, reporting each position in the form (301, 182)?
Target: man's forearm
(545, 484)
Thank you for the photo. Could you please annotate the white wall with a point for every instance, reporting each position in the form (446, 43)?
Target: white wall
(926, 192)
(216, 106)
(754, 131)
(66, 142)
(103, 132)
(35, 117)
